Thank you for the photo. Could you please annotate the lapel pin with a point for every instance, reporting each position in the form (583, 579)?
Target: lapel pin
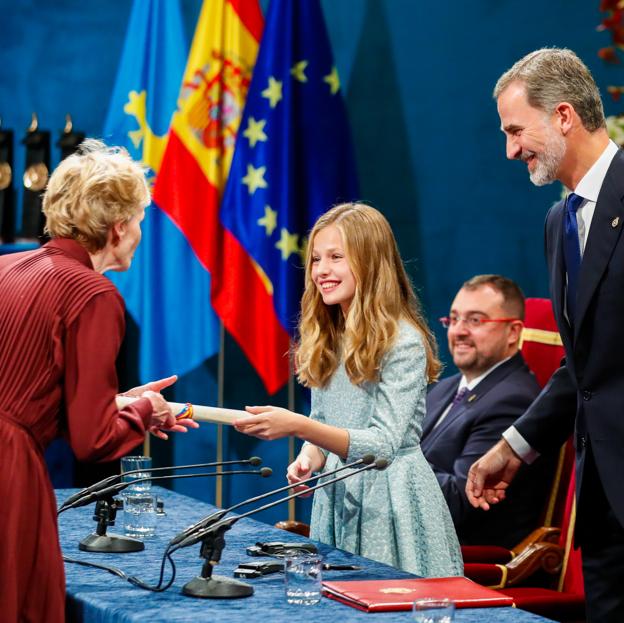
(615, 222)
(472, 397)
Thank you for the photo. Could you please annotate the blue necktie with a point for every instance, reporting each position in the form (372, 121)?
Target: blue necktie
(459, 396)
(572, 252)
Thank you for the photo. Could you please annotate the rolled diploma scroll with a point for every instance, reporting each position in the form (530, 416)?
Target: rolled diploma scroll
(200, 413)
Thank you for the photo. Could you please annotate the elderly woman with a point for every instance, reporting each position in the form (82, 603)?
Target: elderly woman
(61, 325)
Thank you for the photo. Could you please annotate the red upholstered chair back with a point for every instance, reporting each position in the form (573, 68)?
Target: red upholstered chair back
(541, 343)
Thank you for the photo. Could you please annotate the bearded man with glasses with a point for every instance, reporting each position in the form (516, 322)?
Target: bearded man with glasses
(467, 412)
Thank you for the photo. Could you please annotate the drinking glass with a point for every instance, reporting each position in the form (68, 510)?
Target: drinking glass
(140, 515)
(303, 578)
(131, 463)
(434, 611)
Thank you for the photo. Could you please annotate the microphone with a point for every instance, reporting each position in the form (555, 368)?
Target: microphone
(217, 515)
(264, 472)
(208, 585)
(254, 460)
(228, 522)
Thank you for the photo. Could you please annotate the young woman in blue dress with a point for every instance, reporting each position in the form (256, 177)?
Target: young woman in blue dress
(367, 354)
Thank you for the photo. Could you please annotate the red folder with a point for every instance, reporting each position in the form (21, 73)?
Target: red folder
(382, 595)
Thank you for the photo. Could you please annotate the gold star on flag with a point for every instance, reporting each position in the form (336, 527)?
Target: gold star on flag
(288, 243)
(255, 178)
(255, 131)
(333, 81)
(273, 92)
(269, 220)
(297, 71)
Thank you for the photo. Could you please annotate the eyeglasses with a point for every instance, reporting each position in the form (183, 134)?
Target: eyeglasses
(472, 322)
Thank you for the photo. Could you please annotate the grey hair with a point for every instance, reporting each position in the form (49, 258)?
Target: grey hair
(554, 75)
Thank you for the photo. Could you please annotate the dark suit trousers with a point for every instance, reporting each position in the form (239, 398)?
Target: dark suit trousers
(602, 546)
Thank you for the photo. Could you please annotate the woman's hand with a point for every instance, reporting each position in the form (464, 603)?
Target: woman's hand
(300, 469)
(163, 417)
(152, 386)
(269, 422)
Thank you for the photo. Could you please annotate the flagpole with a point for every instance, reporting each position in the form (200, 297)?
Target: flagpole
(291, 407)
(220, 385)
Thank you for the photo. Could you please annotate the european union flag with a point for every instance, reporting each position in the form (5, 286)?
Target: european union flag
(167, 290)
(293, 160)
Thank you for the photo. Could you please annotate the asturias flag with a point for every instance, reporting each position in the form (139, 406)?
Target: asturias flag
(167, 289)
(293, 161)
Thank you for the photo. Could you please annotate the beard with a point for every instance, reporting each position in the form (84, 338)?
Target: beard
(548, 162)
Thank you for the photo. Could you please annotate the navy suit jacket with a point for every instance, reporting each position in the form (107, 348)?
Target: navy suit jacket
(586, 395)
(470, 430)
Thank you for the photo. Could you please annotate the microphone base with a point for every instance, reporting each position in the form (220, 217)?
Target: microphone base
(217, 587)
(110, 544)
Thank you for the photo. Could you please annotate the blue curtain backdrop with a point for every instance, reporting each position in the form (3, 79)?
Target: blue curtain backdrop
(417, 78)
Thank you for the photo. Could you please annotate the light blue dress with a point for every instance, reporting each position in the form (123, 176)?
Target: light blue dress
(397, 516)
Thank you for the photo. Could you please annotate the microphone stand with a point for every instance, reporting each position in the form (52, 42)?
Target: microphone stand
(212, 519)
(209, 586)
(106, 508)
(98, 486)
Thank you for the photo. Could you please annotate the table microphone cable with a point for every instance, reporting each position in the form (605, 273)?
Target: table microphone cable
(158, 588)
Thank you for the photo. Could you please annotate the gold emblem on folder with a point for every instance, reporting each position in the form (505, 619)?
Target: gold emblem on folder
(399, 590)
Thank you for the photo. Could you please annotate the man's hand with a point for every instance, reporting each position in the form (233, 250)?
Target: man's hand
(491, 475)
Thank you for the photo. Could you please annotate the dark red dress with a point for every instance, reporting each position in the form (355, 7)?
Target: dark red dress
(61, 326)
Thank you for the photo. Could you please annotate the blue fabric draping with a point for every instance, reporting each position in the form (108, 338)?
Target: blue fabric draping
(95, 596)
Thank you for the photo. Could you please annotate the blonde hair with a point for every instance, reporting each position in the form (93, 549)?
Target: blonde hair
(92, 190)
(383, 295)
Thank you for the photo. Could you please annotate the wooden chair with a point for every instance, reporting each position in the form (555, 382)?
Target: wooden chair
(541, 551)
(566, 601)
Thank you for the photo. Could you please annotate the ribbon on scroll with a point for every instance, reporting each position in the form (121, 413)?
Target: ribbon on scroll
(199, 413)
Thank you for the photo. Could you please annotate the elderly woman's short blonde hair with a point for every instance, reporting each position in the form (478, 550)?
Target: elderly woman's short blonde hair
(92, 190)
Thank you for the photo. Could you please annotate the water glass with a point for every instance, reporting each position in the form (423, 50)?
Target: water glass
(142, 463)
(434, 611)
(303, 578)
(139, 512)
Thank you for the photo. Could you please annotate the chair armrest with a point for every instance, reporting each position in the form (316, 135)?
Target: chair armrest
(545, 556)
(539, 535)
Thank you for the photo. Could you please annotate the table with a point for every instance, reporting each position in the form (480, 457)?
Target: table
(95, 596)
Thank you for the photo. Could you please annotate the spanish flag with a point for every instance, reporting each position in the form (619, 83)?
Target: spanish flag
(200, 146)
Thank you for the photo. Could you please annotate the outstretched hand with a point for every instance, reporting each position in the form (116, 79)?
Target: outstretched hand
(269, 422)
(490, 476)
(152, 386)
(163, 417)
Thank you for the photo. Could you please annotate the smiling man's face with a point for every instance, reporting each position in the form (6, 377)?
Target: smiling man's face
(531, 135)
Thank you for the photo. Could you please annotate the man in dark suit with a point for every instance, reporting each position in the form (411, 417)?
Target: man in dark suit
(467, 412)
(552, 117)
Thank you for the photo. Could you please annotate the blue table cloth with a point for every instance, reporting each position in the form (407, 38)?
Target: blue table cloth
(95, 596)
